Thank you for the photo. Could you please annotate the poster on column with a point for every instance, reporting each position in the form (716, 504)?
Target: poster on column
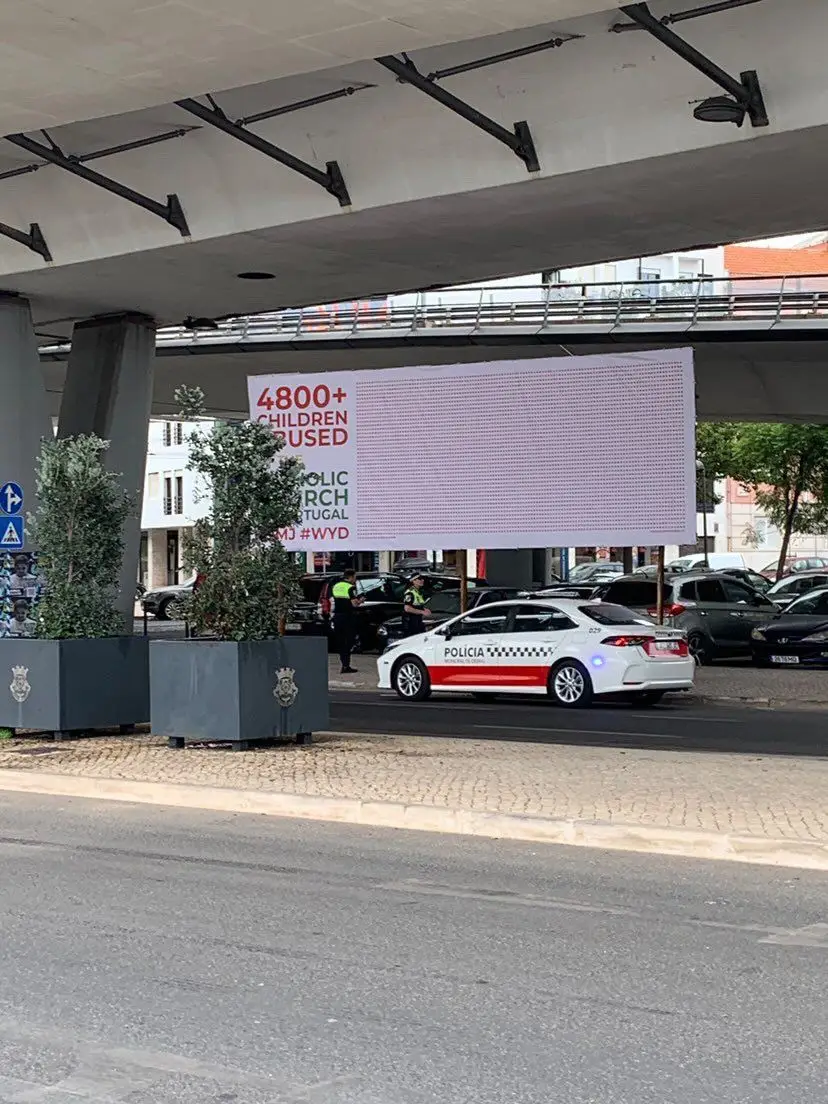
(536, 453)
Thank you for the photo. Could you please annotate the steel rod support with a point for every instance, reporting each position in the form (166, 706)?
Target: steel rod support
(171, 211)
(519, 140)
(745, 91)
(110, 151)
(331, 180)
(495, 59)
(692, 13)
(34, 240)
(300, 105)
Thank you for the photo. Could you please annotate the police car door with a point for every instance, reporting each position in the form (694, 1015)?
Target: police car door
(466, 653)
(537, 635)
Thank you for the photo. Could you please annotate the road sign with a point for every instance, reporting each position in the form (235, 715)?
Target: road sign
(11, 498)
(11, 534)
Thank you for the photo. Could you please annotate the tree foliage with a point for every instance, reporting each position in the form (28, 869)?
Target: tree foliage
(786, 467)
(77, 529)
(248, 581)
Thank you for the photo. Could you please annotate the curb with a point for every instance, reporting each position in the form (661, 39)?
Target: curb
(647, 839)
(800, 705)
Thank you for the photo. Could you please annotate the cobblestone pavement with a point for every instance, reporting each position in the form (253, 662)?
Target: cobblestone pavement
(739, 682)
(766, 797)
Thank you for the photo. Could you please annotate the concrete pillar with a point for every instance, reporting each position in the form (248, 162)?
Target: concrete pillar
(157, 565)
(108, 392)
(24, 409)
(509, 567)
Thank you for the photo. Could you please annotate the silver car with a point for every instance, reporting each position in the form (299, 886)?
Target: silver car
(716, 612)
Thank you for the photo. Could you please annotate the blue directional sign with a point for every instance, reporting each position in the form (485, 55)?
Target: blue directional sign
(11, 498)
(11, 534)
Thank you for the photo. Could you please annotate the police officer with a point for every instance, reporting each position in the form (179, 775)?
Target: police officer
(414, 608)
(346, 603)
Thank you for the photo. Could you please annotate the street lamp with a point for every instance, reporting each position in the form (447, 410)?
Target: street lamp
(700, 468)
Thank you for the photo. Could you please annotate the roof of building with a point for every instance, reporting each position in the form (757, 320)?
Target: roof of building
(756, 260)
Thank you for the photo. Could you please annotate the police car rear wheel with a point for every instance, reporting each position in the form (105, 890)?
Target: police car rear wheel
(410, 680)
(570, 685)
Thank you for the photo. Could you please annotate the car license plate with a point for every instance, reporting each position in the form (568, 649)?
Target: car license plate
(667, 645)
(787, 660)
(293, 626)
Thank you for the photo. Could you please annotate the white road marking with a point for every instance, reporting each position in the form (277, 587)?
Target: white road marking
(814, 935)
(581, 732)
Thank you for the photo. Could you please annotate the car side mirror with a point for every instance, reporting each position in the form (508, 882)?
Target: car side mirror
(446, 632)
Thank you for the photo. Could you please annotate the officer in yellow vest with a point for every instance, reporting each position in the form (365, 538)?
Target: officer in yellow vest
(346, 603)
(414, 608)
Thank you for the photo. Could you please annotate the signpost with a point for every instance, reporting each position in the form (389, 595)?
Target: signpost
(11, 523)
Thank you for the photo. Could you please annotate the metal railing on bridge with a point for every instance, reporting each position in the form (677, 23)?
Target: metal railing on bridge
(756, 304)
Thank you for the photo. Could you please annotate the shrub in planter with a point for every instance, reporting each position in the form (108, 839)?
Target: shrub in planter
(78, 669)
(240, 680)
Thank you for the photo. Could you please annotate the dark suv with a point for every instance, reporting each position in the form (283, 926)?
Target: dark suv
(717, 612)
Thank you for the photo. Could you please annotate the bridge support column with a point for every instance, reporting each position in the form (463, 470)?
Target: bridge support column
(24, 410)
(510, 567)
(108, 392)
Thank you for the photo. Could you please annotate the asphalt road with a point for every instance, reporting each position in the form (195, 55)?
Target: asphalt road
(155, 956)
(676, 724)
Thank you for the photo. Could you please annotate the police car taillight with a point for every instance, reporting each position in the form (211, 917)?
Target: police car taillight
(628, 641)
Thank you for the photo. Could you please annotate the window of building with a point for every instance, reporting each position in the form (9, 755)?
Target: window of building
(168, 495)
(167, 434)
(179, 494)
(178, 433)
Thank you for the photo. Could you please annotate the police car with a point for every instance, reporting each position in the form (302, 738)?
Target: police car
(568, 650)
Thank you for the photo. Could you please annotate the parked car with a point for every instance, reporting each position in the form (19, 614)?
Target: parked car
(795, 564)
(790, 588)
(701, 561)
(717, 613)
(590, 572)
(160, 602)
(383, 599)
(444, 606)
(796, 638)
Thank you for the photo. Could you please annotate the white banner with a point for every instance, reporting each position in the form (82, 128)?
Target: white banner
(549, 452)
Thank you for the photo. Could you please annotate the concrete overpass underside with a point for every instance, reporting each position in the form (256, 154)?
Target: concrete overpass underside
(764, 379)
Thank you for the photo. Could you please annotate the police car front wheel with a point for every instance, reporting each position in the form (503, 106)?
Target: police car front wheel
(570, 684)
(410, 679)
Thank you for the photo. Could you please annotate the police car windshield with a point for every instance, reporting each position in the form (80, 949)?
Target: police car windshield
(445, 601)
(607, 614)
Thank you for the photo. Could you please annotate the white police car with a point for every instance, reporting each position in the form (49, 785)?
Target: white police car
(567, 649)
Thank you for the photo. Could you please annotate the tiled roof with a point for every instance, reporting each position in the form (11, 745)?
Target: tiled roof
(754, 260)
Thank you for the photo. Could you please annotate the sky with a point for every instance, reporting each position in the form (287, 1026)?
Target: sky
(792, 241)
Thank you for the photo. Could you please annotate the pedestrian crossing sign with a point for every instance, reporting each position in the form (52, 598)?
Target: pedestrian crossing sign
(11, 529)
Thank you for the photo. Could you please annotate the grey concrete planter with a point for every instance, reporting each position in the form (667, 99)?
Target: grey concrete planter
(242, 693)
(70, 686)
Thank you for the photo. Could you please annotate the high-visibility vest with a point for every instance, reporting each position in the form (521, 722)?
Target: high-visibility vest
(414, 598)
(342, 589)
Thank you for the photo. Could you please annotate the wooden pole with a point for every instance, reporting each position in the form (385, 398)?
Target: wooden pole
(462, 565)
(660, 585)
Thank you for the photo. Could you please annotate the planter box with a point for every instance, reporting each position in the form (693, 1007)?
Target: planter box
(70, 686)
(242, 693)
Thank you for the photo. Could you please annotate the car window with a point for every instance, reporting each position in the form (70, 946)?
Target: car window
(634, 593)
(813, 604)
(710, 591)
(540, 619)
(480, 622)
(787, 587)
(735, 592)
(372, 589)
(605, 613)
(688, 592)
(447, 603)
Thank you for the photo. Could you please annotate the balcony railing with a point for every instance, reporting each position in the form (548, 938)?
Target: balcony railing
(756, 304)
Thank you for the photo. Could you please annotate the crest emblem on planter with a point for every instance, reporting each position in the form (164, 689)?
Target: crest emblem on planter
(20, 686)
(286, 691)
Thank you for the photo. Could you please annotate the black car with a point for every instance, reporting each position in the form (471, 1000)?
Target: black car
(444, 606)
(798, 637)
(745, 575)
(382, 594)
(160, 602)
